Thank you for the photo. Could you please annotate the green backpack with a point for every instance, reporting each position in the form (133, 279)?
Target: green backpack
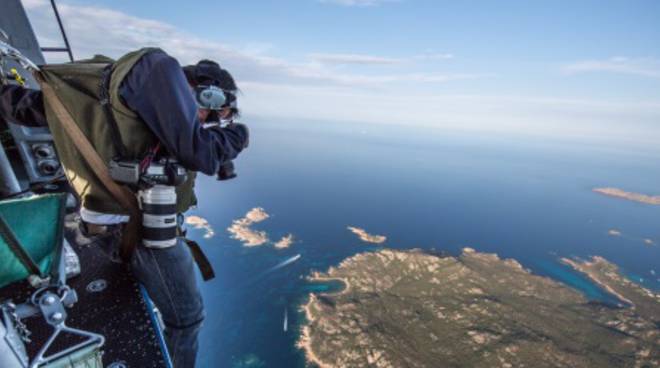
(31, 233)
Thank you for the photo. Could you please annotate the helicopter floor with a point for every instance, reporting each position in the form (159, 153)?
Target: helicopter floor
(110, 303)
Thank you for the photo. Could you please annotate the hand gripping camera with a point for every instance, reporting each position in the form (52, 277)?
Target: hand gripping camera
(227, 170)
(156, 195)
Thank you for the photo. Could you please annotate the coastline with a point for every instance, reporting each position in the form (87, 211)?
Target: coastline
(330, 319)
(592, 276)
(317, 278)
(305, 339)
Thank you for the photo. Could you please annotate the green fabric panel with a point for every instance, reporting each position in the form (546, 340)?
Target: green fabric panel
(38, 224)
(77, 86)
(185, 193)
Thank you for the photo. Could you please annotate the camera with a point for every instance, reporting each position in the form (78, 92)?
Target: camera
(226, 171)
(156, 196)
(163, 172)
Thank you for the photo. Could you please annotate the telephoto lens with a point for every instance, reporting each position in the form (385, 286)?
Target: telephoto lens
(158, 216)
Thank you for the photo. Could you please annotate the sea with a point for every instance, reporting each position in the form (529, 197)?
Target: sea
(527, 197)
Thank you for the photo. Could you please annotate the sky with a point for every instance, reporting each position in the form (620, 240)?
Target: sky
(557, 68)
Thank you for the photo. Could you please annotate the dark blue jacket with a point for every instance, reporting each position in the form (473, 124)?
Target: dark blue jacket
(157, 90)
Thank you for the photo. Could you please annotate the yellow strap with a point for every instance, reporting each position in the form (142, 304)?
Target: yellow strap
(17, 77)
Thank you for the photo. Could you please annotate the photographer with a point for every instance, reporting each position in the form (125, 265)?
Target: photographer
(145, 108)
(207, 72)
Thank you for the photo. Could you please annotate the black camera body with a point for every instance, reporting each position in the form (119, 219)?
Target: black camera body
(163, 172)
(227, 171)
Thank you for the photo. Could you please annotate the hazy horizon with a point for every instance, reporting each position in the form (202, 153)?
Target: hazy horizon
(561, 68)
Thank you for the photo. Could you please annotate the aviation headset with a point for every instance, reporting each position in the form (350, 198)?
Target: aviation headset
(214, 88)
(210, 97)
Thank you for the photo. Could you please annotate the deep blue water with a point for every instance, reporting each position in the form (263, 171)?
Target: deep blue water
(521, 197)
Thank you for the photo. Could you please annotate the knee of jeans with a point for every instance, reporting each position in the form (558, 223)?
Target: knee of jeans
(190, 318)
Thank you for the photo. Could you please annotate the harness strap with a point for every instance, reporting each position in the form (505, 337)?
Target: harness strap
(15, 246)
(200, 258)
(131, 234)
(104, 94)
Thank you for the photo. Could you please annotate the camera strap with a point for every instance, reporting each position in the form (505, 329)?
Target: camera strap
(131, 234)
(200, 258)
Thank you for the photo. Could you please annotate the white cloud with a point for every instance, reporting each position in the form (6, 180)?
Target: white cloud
(380, 80)
(359, 3)
(434, 56)
(362, 59)
(556, 117)
(366, 237)
(354, 59)
(97, 30)
(278, 88)
(645, 67)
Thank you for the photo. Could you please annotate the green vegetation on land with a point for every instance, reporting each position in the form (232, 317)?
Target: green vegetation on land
(414, 309)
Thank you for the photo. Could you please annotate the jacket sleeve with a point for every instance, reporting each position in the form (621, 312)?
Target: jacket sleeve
(157, 90)
(21, 106)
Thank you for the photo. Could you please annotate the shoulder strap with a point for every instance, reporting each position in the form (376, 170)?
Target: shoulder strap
(104, 94)
(126, 198)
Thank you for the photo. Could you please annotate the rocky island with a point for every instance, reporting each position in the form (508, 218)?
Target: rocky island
(414, 309)
(635, 197)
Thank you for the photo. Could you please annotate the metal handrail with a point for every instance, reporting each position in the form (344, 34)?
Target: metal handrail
(8, 51)
(67, 47)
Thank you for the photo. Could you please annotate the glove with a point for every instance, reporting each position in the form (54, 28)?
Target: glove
(226, 171)
(243, 130)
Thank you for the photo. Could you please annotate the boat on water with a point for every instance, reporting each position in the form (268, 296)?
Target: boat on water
(286, 319)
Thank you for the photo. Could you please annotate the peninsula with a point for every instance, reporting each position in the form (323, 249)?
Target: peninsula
(414, 309)
(635, 197)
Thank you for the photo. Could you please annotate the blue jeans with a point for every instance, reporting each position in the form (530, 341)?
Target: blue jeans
(168, 275)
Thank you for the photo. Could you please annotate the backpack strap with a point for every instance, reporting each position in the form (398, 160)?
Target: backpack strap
(131, 235)
(104, 94)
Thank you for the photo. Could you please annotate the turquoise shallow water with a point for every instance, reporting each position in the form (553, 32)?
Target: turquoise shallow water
(323, 287)
(523, 198)
(574, 279)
